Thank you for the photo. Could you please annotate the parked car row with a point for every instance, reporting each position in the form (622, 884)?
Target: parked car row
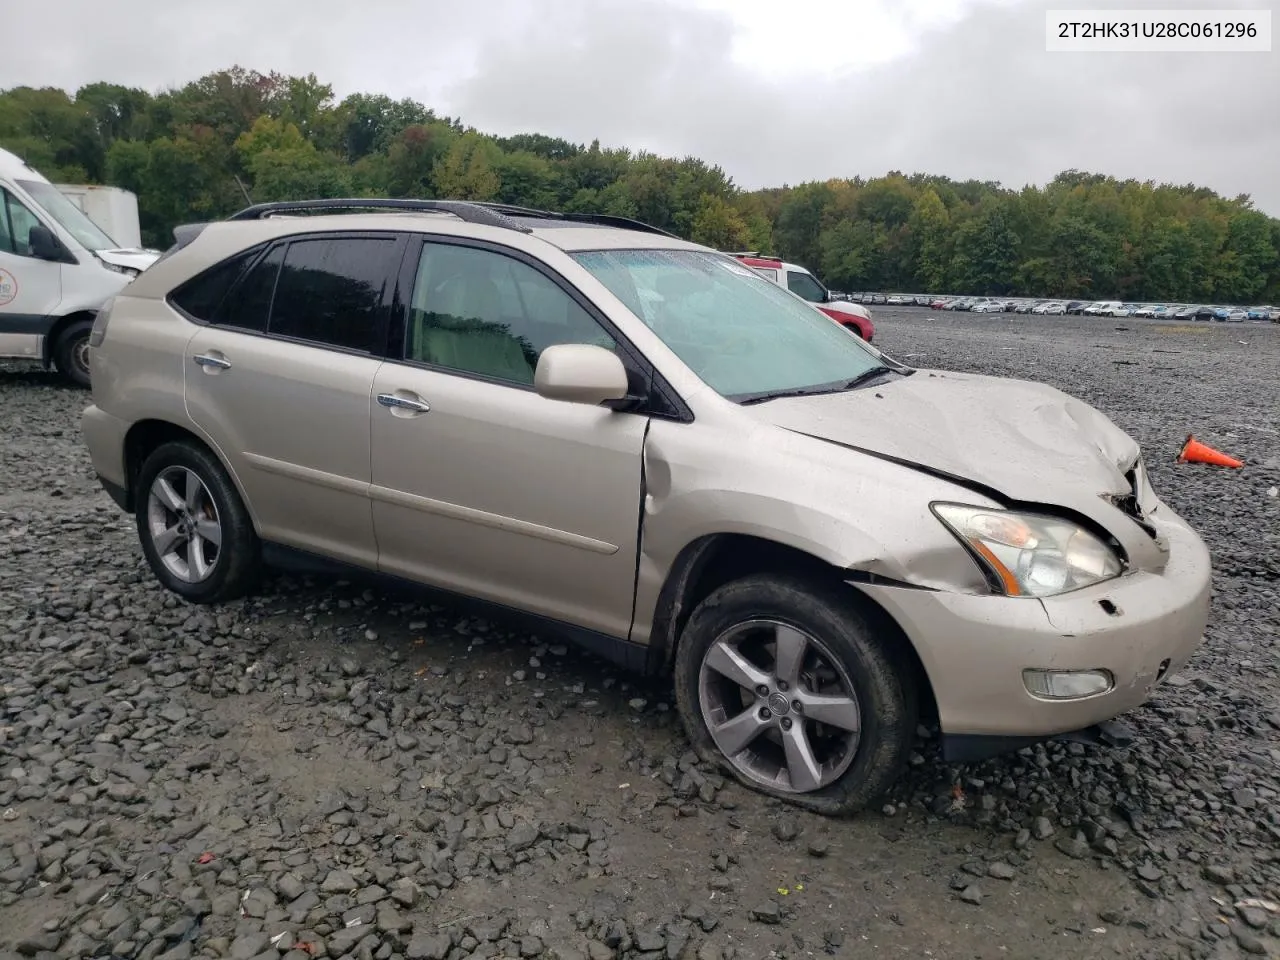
(1096, 308)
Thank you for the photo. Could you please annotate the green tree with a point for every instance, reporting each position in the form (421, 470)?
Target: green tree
(986, 253)
(467, 170)
(527, 179)
(931, 227)
(717, 224)
(1247, 257)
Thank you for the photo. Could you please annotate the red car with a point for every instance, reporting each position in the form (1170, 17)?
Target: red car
(851, 316)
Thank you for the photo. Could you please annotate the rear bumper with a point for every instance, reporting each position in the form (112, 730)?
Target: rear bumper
(104, 435)
(975, 648)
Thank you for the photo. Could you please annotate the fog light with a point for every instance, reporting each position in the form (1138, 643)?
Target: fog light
(1067, 684)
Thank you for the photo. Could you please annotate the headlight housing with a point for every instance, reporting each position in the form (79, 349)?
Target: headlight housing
(118, 268)
(1030, 554)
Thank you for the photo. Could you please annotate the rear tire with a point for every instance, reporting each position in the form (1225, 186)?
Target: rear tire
(793, 651)
(71, 353)
(195, 531)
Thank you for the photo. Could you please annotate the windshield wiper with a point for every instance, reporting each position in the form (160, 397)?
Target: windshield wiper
(867, 375)
(783, 394)
(859, 380)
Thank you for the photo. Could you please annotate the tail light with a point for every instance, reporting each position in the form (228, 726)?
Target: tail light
(100, 321)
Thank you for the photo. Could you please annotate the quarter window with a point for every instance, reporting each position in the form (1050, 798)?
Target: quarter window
(332, 291)
(202, 296)
(485, 313)
(248, 304)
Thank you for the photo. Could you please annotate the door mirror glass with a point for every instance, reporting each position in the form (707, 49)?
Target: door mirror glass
(580, 373)
(43, 244)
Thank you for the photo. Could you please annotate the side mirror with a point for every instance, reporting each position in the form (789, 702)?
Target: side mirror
(44, 245)
(580, 373)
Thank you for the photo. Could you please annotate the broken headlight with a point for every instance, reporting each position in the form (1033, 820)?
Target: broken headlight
(1030, 554)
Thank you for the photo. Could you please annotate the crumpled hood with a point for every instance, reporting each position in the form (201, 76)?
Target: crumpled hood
(1025, 440)
(137, 258)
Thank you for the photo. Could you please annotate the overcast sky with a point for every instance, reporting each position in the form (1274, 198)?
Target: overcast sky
(775, 92)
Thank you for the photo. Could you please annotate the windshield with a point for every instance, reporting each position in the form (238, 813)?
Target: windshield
(742, 335)
(71, 217)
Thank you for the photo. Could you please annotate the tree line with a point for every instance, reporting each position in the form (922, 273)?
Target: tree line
(206, 149)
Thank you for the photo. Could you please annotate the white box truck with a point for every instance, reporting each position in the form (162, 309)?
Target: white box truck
(113, 209)
(57, 268)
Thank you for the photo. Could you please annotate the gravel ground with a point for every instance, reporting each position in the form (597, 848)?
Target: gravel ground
(332, 770)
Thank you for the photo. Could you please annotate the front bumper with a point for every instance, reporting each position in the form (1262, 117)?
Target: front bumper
(104, 435)
(1141, 627)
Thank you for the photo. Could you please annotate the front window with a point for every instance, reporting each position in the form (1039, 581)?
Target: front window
(71, 217)
(744, 337)
(806, 287)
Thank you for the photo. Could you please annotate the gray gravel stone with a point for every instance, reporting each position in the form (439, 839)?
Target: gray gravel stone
(434, 946)
(338, 881)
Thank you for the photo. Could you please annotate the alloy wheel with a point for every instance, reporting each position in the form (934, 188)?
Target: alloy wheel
(184, 525)
(780, 706)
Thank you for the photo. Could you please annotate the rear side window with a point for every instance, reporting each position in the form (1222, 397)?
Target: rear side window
(331, 291)
(201, 296)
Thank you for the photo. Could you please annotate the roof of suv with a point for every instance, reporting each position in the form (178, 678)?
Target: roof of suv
(569, 231)
(214, 241)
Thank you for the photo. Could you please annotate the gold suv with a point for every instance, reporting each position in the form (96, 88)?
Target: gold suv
(683, 466)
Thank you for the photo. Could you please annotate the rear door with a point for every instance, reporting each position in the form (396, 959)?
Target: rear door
(30, 288)
(281, 379)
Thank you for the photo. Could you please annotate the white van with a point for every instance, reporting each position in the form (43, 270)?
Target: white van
(57, 267)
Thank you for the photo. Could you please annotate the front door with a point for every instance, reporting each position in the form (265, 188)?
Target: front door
(281, 382)
(484, 487)
(30, 288)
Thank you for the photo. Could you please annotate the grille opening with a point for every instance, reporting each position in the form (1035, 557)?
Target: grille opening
(1129, 506)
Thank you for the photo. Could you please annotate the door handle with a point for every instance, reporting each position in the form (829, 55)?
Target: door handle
(208, 360)
(394, 402)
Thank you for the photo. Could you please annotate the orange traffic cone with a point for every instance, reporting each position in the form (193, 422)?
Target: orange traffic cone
(1193, 451)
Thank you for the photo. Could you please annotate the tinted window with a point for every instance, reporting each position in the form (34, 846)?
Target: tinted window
(483, 312)
(202, 295)
(249, 302)
(331, 291)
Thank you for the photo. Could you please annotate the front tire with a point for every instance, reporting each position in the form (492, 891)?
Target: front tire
(795, 692)
(71, 353)
(195, 531)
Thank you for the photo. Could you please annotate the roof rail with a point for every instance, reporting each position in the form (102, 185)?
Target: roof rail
(462, 209)
(625, 223)
(601, 219)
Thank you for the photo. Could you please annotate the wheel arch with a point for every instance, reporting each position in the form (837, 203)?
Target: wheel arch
(145, 436)
(711, 561)
(55, 333)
